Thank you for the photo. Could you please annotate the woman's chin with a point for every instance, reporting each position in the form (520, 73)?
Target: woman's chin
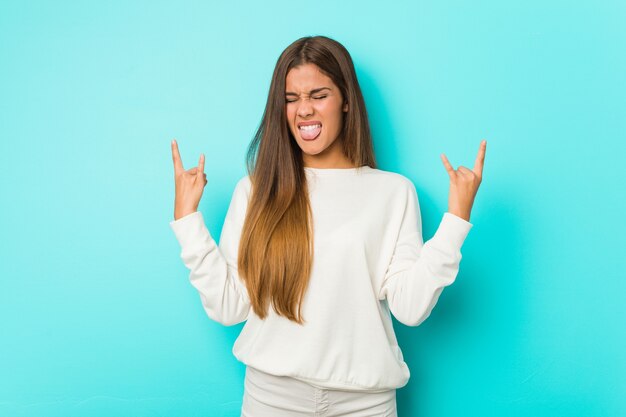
(311, 146)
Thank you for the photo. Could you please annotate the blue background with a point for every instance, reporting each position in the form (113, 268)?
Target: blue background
(97, 315)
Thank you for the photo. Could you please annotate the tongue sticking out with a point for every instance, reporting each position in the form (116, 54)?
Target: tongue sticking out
(310, 133)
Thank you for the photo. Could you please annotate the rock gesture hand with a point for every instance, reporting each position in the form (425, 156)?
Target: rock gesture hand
(464, 183)
(189, 184)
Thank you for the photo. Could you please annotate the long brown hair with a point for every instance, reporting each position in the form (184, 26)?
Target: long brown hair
(276, 245)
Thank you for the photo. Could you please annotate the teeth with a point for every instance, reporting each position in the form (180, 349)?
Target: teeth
(311, 127)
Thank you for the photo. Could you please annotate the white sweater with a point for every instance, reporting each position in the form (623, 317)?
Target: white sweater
(370, 260)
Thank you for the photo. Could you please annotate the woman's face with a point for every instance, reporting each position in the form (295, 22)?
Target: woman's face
(314, 100)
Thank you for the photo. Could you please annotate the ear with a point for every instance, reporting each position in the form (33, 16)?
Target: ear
(345, 106)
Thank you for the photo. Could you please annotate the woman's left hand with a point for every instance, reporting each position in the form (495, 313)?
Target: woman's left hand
(464, 184)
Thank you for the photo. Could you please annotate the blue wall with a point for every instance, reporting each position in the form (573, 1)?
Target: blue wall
(97, 317)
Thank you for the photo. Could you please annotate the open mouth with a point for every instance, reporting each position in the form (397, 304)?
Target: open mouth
(310, 132)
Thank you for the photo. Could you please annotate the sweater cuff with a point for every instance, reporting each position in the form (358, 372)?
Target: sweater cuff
(453, 229)
(190, 228)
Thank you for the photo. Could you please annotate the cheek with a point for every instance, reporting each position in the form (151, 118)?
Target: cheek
(332, 113)
(331, 107)
(290, 115)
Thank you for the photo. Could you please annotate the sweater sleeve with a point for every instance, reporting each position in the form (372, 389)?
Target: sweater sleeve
(213, 268)
(418, 272)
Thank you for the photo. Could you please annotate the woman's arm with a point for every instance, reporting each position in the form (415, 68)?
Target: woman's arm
(418, 272)
(213, 268)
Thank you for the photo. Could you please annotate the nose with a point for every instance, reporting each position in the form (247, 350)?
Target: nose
(305, 108)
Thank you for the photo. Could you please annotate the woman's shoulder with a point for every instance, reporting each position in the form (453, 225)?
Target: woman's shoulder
(393, 180)
(244, 182)
(242, 188)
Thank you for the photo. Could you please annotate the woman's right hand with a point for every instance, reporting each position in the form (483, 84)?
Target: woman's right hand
(189, 184)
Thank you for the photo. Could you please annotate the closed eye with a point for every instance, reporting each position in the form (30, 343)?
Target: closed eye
(317, 98)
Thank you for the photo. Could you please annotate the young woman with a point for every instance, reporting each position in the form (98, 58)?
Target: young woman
(319, 247)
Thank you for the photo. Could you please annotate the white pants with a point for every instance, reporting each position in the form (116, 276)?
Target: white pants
(267, 395)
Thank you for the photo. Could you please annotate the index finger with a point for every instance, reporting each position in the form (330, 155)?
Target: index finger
(448, 166)
(480, 159)
(178, 163)
(201, 164)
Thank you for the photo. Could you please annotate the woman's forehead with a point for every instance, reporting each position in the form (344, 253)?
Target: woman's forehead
(307, 77)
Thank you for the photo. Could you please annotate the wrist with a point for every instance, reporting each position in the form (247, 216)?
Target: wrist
(182, 213)
(462, 214)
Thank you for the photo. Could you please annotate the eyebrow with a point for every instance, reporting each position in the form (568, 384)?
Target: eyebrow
(316, 90)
